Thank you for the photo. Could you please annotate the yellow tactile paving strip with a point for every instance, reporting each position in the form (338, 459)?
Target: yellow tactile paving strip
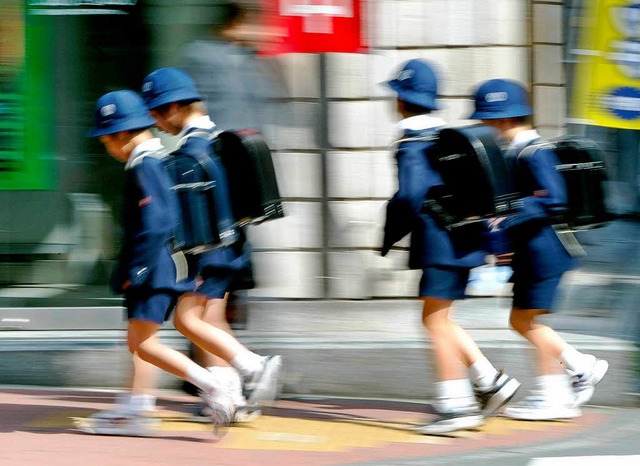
(311, 435)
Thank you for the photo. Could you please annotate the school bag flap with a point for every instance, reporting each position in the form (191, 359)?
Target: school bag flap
(252, 177)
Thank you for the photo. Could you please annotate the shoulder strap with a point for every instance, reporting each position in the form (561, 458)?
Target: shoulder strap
(423, 138)
(205, 161)
(209, 135)
(157, 154)
(534, 145)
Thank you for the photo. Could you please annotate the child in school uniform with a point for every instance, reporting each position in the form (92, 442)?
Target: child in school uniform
(173, 100)
(146, 271)
(539, 258)
(445, 262)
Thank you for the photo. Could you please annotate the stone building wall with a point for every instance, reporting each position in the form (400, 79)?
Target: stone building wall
(469, 41)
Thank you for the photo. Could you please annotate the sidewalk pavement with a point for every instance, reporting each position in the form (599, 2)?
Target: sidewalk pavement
(368, 348)
(37, 427)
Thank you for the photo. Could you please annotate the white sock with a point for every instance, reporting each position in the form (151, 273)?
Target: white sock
(136, 403)
(247, 362)
(483, 373)
(454, 394)
(226, 370)
(202, 378)
(575, 361)
(226, 376)
(554, 387)
(142, 403)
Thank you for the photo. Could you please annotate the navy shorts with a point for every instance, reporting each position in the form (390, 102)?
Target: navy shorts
(155, 307)
(444, 282)
(534, 293)
(214, 281)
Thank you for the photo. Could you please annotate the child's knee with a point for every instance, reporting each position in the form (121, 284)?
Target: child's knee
(520, 322)
(178, 322)
(182, 322)
(133, 345)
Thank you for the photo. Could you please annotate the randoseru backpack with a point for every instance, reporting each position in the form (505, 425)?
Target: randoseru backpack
(477, 182)
(252, 178)
(582, 166)
(200, 183)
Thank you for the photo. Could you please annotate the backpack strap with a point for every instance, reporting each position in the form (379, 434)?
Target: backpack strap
(562, 231)
(209, 135)
(534, 145)
(157, 154)
(421, 138)
(208, 164)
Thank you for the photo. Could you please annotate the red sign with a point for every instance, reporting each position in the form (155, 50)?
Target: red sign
(313, 26)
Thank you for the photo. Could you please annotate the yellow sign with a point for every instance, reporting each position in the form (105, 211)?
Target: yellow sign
(607, 76)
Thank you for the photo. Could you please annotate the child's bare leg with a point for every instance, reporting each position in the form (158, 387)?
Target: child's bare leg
(549, 344)
(144, 377)
(144, 341)
(453, 348)
(215, 314)
(188, 321)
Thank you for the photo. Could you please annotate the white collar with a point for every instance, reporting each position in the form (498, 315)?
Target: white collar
(523, 138)
(420, 122)
(150, 145)
(201, 122)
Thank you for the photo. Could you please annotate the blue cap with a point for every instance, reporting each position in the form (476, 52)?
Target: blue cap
(120, 111)
(417, 84)
(167, 85)
(501, 98)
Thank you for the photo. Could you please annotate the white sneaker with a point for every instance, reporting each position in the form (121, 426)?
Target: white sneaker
(538, 407)
(222, 409)
(264, 384)
(584, 384)
(231, 384)
(498, 394)
(121, 422)
(246, 414)
(446, 422)
(242, 413)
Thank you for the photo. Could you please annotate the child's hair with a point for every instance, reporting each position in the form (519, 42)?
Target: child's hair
(415, 109)
(524, 120)
(232, 12)
(189, 104)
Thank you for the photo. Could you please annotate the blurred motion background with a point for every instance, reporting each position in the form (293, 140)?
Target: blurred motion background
(330, 123)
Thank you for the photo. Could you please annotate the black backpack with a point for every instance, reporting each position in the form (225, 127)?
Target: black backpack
(200, 183)
(253, 185)
(582, 166)
(477, 181)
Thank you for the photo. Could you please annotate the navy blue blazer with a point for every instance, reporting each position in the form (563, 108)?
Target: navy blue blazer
(150, 214)
(430, 244)
(233, 257)
(538, 253)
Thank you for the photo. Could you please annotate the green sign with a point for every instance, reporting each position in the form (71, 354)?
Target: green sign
(27, 113)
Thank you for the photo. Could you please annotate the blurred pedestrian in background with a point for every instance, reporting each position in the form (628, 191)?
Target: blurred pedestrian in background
(445, 262)
(539, 259)
(175, 103)
(240, 90)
